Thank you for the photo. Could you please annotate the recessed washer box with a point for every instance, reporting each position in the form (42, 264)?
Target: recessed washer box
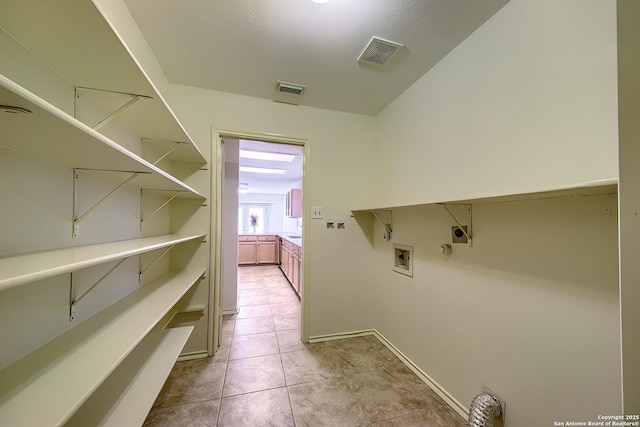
(403, 259)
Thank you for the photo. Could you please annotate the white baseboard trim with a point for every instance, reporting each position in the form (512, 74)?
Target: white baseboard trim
(231, 311)
(433, 385)
(193, 355)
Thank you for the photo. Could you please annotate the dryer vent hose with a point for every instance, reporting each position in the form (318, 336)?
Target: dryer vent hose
(485, 408)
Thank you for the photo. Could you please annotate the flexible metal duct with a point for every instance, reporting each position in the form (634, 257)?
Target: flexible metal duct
(485, 408)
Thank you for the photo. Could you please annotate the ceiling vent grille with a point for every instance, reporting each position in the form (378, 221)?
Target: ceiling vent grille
(293, 88)
(379, 51)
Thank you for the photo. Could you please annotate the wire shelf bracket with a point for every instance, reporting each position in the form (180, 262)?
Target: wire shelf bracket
(142, 270)
(74, 301)
(388, 225)
(134, 98)
(469, 233)
(77, 217)
(176, 144)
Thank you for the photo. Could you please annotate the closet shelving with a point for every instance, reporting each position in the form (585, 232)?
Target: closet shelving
(50, 384)
(27, 268)
(365, 216)
(107, 368)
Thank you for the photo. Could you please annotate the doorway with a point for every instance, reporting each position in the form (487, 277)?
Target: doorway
(258, 185)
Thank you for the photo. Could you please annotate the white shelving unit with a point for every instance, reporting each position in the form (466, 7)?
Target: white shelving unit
(27, 268)
(73, 98)
(365, 216)
(49, 385)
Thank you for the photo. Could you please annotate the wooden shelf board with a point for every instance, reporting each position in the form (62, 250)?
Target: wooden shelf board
(22, 269)
(48, 386)
(87, 52)
(128, 394)
(604, 186)
(75, 145)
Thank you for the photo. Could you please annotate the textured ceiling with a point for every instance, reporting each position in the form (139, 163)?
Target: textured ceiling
(245, 46)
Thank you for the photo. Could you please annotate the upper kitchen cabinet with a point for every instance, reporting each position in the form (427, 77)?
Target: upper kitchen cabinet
(294, 203)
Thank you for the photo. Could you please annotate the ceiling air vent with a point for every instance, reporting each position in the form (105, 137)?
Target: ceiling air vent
(10, 109)
(290, 88)
(379, 52)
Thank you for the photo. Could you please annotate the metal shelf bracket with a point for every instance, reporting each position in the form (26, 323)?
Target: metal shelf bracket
(77, 217)
(74, 301)
(134, 98)
(469, 233)
(144, 218)
(141, 270)
(388, 226)
(176, 144)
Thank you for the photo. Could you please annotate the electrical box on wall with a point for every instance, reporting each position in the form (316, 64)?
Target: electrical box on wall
(403, 259)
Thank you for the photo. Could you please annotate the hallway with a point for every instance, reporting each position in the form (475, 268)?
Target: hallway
(262, 375)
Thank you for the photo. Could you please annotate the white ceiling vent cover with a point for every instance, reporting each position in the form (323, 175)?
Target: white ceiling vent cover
(293, 88)
(379, 52)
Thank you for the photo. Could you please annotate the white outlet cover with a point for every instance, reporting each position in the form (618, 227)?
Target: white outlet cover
(317, 212)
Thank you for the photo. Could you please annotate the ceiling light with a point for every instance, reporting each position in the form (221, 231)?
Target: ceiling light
(243, 188)
(321, 1)
(263, 155)
(262, 170)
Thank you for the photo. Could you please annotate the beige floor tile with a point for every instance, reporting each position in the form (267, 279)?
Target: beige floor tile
(290, 340)
(228, 326)
(304, 366)
(192, 381)
(441, 416)
(284, 322)
(245, 346)
(269, 408)
(222, 355)
(254, 325)
(253, 374)
(326, 403)
(203, 414)
(246, 300)
(251, 311)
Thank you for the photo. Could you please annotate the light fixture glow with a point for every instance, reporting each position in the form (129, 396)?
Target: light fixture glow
(321, 1)
(243, 188)
(263, 155)
(251, 169)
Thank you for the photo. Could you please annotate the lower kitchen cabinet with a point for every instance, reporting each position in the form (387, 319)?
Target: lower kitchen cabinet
(254, 250)
(290, 264)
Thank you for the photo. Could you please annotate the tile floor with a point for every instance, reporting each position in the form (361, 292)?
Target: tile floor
(263, 375)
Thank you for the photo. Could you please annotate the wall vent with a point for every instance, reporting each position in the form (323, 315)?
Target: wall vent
(293, 88)
(379, 52)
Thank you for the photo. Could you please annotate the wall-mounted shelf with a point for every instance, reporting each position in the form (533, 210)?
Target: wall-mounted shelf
(364, 216)
(128, 394)
(49, 385)
(22, 269)
(87, 53)
(75, 144)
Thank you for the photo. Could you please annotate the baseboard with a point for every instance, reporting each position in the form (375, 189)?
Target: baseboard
(193, 355)
(231, 311)
(433, 385)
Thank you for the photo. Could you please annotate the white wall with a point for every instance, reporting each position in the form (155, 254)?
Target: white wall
(526, 103)
(339, 151)
(629, 93)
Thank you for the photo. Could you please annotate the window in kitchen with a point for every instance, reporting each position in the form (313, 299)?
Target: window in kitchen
(253, 218)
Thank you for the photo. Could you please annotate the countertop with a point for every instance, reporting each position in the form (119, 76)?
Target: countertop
(286, 235)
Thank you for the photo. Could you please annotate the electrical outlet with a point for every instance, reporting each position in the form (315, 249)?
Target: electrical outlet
(316, 212)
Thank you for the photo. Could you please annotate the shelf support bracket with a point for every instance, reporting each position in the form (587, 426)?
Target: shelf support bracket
(74, 301)
(460, 226)
(171, 150)
(134, 98)
(142, 270)
(77, 217)
(388, 226)
(144, 218)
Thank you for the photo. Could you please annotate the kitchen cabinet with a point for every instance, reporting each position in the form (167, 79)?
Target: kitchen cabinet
(294, 203)
(290, 264)
(254, 250)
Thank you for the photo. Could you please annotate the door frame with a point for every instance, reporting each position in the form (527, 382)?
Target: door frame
(216, 231)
